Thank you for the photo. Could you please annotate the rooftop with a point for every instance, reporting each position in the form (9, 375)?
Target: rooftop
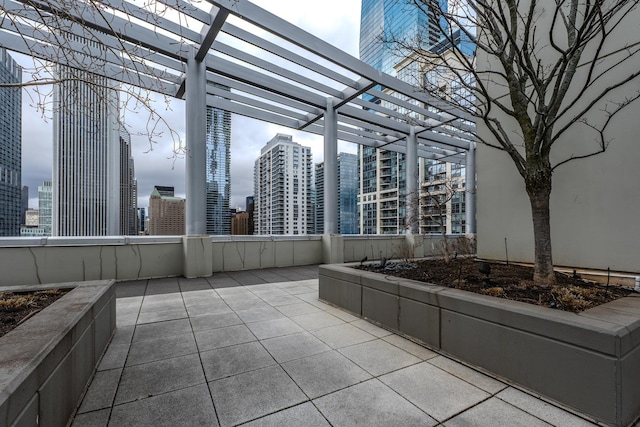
(258, 347)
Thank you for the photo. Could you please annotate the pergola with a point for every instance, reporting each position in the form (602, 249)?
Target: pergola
(235, 56)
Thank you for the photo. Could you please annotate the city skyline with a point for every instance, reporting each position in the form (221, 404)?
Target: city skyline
(160, 167)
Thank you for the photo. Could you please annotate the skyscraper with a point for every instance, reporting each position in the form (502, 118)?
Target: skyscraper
(383, 21)
(218, 171)
(128, 187)
(282, 184)
(382, 174)
(166, 214)
(10, 147)
(44, 207)
(86, 173)
(347, 194)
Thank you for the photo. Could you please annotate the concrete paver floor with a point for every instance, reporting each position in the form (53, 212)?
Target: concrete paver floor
(258, 348)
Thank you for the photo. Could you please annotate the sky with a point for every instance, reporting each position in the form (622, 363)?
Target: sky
(335, 21)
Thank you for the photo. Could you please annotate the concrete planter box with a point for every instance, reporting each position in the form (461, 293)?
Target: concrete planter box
(47, 362)
(588, 361)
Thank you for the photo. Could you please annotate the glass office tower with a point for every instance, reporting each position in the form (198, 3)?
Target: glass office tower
(218, 171)
(10, 147)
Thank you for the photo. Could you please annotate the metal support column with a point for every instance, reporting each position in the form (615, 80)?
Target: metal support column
(470, 189)
(412, 197)
(330, 169)
(196, 130)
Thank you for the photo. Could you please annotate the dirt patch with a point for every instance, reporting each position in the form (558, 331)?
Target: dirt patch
(514, 282)
(17, 307)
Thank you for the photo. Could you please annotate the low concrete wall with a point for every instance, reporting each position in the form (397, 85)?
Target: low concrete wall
(588, 361)
(232, 253)
(66, 259)
(46, 363)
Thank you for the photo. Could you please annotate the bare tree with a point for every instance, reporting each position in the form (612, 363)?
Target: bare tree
(86, 44)
(436, 208)
(540, 67)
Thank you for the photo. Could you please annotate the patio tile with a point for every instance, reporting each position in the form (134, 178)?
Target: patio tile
(194, 296)
(295, 346)
(126, 318)
(160, 316)
(410, 347)
(214, 306)
(162, 329)
(189, 285)
(298, 308)
(92, 419)
(188, 406)
(342, 314)
(101, 391)
(541, 409)
(159, 377)
(128, 303)
(316, 320)
(254, 394)
(370, 404)
(495, 412)
(267, 291)
(259, 314)
(232, 290)
(276, 301)
(123, 335)
(378, 357)
(161, 348)
(274, 328)
(214, 320)
(469, 375)
(431, 389)
(114, 357)
(342, 335)
(130, 289)
(302, 415)
(161, 306)
(371, 328)
(237, 359)
(324, 373)
(295, 290)
(223, 337)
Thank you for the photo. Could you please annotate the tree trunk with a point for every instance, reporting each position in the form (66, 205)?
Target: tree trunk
(539, 197)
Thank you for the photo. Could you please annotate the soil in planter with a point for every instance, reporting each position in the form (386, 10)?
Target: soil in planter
(17, 307)
(514, 282)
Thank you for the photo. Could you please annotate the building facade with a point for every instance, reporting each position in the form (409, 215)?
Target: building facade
(45, 196)
(347, 194)
(86, 174)
(282, 185)
(382, 196)
(166, 214)
(218, 171)
(10, 147)
(240, 224)
(128, 187)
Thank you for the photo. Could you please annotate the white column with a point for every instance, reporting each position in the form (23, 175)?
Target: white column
(196, 129)
(470, 189)
(412, 206)
(330, 169)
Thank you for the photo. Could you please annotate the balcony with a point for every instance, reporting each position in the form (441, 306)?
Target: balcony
(257, 345)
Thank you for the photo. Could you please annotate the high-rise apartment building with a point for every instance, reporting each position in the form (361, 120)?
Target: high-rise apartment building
(10, 147)
(382, 174)
(86, 172)
(44, 207)
(128, 187)
(166, 214)
(25, 203)
(282, 184)
(218, 171)
(347, 194)
(240, 224)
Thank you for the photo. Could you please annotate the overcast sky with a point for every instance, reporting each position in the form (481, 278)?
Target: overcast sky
(335, 21)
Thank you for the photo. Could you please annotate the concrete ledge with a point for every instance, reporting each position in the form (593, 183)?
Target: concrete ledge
(588, 361)
(47, 362)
